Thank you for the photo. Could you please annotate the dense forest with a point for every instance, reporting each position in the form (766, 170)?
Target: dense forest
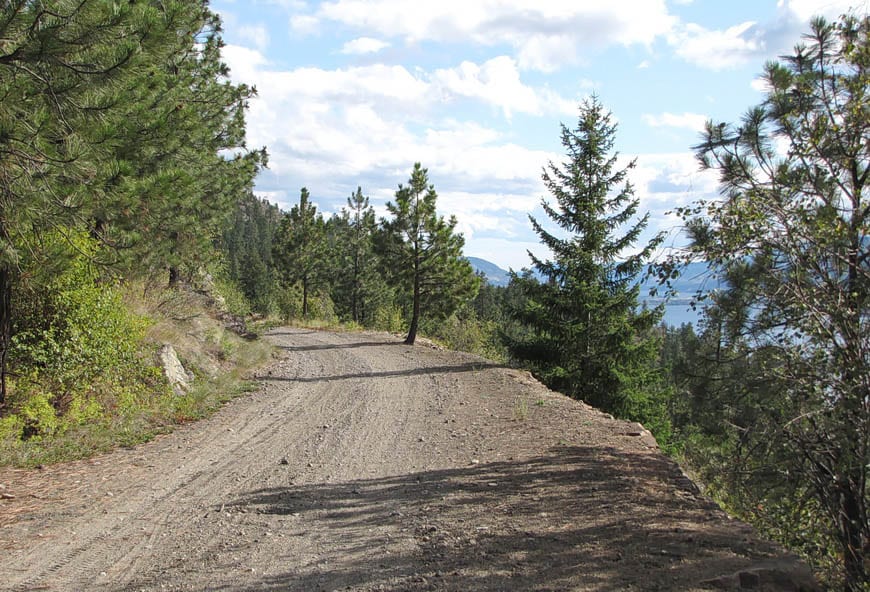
(125, 176)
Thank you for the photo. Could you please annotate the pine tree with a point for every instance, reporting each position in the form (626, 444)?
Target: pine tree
(60, 67)
(300, 248)
(180, 161)
(581, 330)
(790, 240)
(425, 254)
(358, 284)
(115, 118)
(247, 249)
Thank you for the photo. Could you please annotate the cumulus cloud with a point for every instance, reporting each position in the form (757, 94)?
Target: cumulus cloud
(545, 35)
(754, 42)
(497, 82)
(719, 49)
(364, 45)
(255, 35)
(304, 24)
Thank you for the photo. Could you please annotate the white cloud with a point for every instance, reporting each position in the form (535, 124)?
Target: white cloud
(329, 128)
(244, 63)
(548, 53)
(545, 35)
(719, 50)
(364, 45)
(760, 85)
(806, 9)
(497, 82)
(754, 42)
(304, 24)
(690, 121)
(256, 35)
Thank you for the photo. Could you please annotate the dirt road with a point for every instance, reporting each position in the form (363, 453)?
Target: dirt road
(365, 464)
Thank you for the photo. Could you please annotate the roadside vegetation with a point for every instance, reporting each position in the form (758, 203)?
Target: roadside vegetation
(128, 222)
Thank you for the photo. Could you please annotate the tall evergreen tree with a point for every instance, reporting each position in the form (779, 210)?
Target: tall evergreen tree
(425, 253)
(300, 248)
(247, 247)
(112, 119)
(181, 163)
(581, 330)
(789, 238)
(60, 65)
(358, 284)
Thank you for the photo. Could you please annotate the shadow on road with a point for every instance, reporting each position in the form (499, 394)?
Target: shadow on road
(417, 371)
(570, 520)
(328, 346)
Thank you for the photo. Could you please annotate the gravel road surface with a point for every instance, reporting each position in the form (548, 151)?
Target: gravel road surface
(365, 464)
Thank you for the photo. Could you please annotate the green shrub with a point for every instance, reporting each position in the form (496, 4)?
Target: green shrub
(74, 344)
(389, 317)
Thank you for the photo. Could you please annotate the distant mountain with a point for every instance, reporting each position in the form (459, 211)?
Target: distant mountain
(494, 274)
(696, 276)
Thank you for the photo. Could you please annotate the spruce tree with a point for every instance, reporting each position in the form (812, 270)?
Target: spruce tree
(581, 330)
(425, 254)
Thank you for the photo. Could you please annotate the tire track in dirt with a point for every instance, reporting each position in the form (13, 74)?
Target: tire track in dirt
(365, 464)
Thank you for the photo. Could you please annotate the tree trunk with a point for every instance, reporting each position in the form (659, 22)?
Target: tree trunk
(174, 276)
(5, 327)
(304, 298)
(852, 539)
(415, 316)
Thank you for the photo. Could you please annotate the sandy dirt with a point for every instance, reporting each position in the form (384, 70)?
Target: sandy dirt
(365, 464)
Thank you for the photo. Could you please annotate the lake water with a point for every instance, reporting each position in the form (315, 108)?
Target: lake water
(679, 314)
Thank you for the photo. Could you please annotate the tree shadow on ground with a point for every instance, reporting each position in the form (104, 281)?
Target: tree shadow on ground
(416, 371)
(328, 346)
(579, 518)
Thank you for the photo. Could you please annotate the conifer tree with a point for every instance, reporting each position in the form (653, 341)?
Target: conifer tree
(425, 254)
(358, 284)
(60, 65)
(790, 240)
(112, 120)
(247, 247)
(580, 329)
(180, 159)
(300, 248)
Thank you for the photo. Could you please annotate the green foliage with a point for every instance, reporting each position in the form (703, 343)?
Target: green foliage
(465, 331)
(72, 328)
(117, 120)
(78, 352)
(235, 299)
(359, 288)
(247, 247)
(299, 250)
(580, 330)
(390, 318)
(424, 254)
(787, 335)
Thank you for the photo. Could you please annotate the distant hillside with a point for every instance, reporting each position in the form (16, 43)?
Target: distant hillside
(494, 274)
(697, 276)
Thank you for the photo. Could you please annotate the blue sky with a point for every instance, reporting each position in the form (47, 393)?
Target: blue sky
(353, 92)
